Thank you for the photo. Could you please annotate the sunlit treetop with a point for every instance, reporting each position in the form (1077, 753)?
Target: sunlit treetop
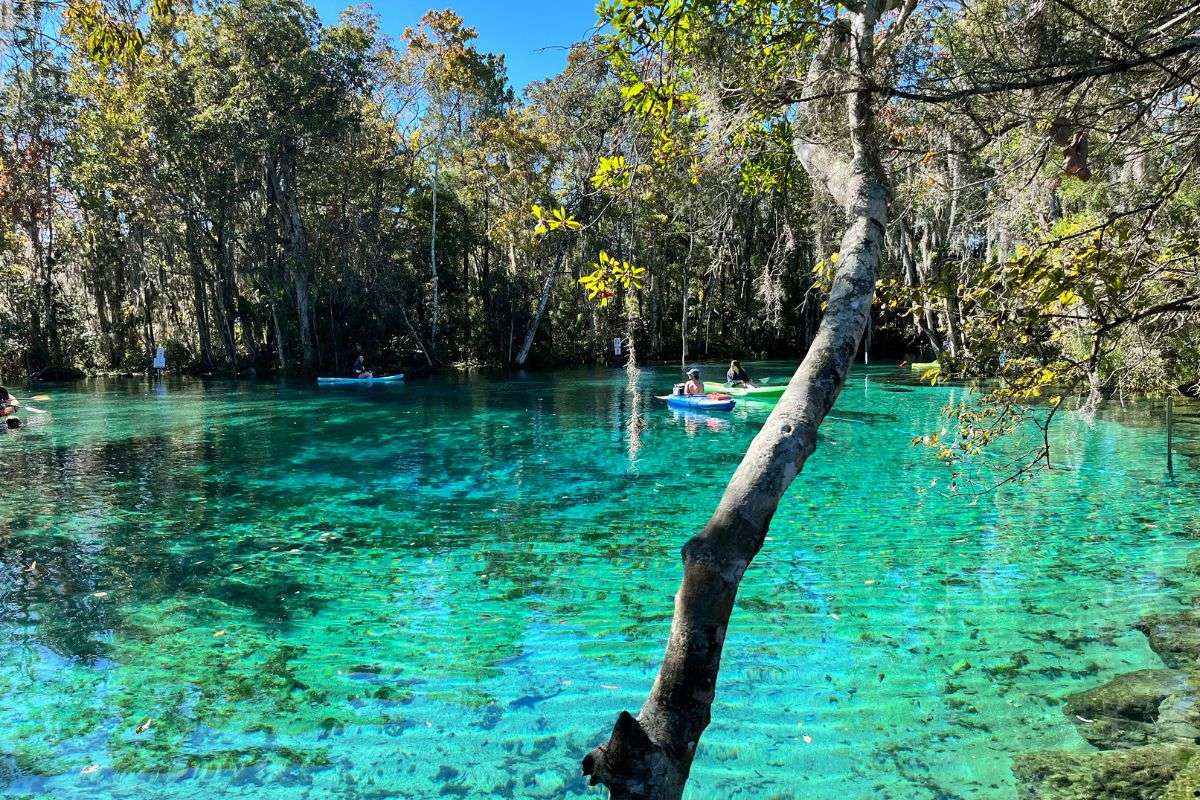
(110, 35)
(750, 46)
(441, 51)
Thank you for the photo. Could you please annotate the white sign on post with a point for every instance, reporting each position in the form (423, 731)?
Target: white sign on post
(616, 345)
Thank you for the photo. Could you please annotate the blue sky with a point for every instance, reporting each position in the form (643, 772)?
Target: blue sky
(533, 36)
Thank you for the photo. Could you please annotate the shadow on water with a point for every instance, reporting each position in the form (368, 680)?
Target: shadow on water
(128, 534)
(869, 417)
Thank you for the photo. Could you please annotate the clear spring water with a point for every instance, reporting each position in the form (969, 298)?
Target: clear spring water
(450, 588)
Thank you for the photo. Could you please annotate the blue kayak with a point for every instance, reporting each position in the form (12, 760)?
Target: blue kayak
(700, 402)
(377, 379)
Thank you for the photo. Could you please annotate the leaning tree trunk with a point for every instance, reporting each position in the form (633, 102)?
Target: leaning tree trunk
(433, 272)
(683, 323)
(543, 304)
(45, 324)
(280, 343)
(282, 179)
(199, 293)
(922, 317)
(649, 757)
(225, 296)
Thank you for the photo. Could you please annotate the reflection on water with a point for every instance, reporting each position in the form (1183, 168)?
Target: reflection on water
(451, 587)
(697, 422)
(636, 421)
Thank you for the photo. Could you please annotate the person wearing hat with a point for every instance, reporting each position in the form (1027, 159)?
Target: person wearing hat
(694, 385)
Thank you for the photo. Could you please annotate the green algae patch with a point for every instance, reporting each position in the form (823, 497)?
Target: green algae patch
(1135, 774)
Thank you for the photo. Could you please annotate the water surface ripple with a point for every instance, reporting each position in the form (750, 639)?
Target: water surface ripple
(450, 588)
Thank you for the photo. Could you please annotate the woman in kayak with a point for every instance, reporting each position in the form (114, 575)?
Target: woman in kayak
(360, 369)
(736, 376)
(694, 385)
(8, 403)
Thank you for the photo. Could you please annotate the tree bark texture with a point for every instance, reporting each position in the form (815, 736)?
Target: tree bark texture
(543, 304)
(282, 180)
(649, 757)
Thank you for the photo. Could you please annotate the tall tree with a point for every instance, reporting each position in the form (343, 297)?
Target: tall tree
(838, 72)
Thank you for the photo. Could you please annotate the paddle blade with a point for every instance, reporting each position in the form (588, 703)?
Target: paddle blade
(41, 398)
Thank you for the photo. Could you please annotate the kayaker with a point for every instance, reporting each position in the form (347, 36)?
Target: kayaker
(8, 403)
(360, 367)
(694, 385)
(736, 376)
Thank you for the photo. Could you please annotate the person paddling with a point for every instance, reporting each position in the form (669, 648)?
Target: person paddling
(360, 368)
(694, 385)
(8, 403)
(736, 376)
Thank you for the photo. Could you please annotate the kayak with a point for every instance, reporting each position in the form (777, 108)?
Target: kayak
(700, 402)
(756, 393)
(925, 365)
(376, 379)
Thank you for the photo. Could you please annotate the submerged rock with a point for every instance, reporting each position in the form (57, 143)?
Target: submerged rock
(1142, 773)
(1186, 785)
(1175, 637)
(1138, 708)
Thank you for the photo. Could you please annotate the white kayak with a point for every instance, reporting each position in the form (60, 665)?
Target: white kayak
(376, 379)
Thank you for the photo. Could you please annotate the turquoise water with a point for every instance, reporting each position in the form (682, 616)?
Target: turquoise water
(450, 588)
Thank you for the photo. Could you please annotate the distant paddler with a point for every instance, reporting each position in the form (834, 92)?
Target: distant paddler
(359, 370)
(738, 377)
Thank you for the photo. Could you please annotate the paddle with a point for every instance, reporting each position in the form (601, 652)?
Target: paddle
(41, 398)
(34, 410)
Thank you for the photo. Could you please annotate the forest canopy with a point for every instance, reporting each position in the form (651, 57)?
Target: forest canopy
(254, 189)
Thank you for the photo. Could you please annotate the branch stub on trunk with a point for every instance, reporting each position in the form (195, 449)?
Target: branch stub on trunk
(630, 764)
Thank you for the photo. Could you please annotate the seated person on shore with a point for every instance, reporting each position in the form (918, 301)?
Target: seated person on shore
(694, 385)
(360, 370)
(736, 376)
(8, 403)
